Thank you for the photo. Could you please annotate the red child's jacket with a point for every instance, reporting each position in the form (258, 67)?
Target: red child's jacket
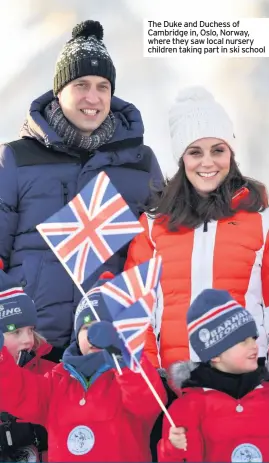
(37, 365)
(219, 427)
(110, 421)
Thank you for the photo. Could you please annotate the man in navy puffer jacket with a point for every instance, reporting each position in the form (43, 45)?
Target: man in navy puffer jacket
(70, 135)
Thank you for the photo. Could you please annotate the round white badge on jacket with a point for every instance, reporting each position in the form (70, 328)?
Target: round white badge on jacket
(80, 440)
(246, 453)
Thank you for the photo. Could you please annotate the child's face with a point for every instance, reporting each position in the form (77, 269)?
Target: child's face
(84, 345)
(20, 339)
(241, 358)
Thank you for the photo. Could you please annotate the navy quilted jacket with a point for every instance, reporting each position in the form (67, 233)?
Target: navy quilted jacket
(33, 186)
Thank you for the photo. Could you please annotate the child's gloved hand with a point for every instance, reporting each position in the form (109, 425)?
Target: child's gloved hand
(177, 437)
(103, 335)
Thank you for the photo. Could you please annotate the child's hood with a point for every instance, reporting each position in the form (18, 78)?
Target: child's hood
(180, 372)
(44, 349)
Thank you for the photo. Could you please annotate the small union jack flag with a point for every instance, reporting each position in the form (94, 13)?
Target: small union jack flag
(90, 228)
(129, 286)
(131, 325)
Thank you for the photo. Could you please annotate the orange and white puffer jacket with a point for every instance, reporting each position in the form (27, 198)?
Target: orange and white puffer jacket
(231, 254)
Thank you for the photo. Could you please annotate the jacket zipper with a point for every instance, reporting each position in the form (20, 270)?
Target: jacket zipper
(205, 227)
(65, 191)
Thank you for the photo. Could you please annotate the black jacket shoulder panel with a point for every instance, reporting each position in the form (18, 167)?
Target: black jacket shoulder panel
(29, 152)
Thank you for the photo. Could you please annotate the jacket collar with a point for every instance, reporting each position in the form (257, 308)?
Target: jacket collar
(129, 124)
(85, 368)
(237, 386)
(241, 194)
(27, 357)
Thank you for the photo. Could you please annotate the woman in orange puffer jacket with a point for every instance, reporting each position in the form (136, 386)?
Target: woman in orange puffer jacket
(210, 225)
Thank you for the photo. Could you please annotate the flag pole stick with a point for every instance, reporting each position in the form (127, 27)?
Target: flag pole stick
(78, 285)
(154, 392)
(150, 385)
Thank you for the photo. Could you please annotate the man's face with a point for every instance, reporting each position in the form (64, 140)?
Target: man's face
(85, 102)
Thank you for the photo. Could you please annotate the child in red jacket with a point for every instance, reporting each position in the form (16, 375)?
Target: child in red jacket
(222, 412)
(18, 318)
(90, 411)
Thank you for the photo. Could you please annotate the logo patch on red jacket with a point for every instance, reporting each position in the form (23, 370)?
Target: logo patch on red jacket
(246, 453)
(80, 440)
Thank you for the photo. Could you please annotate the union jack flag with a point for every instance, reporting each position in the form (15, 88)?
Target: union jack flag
(131, 325)
(90, 228)
(129, 286)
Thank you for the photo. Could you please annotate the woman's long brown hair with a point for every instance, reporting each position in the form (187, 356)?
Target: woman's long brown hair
(180, 205)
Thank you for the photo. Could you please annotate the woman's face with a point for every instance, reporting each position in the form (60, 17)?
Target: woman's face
(207, 163)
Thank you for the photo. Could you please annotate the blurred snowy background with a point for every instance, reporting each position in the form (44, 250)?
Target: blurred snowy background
(32, 32)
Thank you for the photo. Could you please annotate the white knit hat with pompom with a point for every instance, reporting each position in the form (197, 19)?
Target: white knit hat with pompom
(195, 115)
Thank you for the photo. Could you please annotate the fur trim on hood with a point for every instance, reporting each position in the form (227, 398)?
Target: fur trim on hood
(180, 372)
